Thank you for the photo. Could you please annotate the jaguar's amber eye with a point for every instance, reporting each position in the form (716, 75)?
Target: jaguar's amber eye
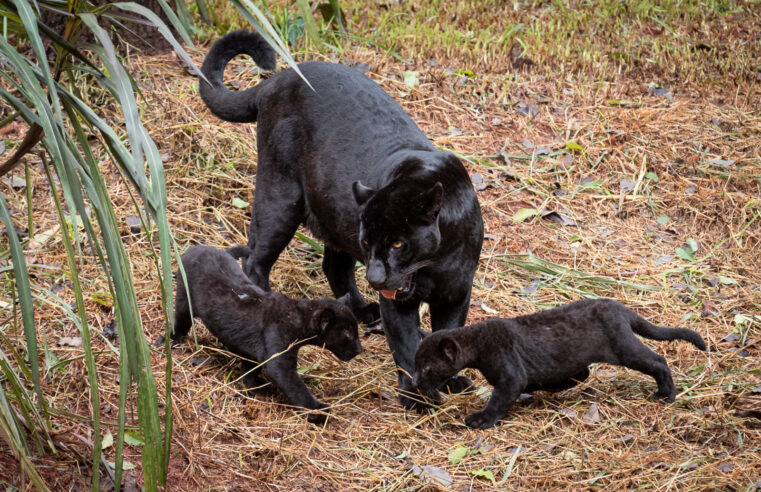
(397, 244)
(365, 243)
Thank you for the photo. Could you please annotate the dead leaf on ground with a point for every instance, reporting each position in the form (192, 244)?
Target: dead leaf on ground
(626, 185)
(70, 341)
(432, 474)
(559, 216)
(592, 416)
(528, 109)
(478, 182)
(721, 162)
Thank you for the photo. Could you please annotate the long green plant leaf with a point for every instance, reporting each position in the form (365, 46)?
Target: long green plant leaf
(84, 329)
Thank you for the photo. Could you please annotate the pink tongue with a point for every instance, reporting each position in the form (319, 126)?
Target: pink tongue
(388, 294)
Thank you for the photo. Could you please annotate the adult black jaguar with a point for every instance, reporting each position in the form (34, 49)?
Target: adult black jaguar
(345, 159)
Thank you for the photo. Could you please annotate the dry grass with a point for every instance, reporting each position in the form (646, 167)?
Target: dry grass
(708, 439)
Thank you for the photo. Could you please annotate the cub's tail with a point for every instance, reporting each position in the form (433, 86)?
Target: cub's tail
(644, 328)
(237, 106)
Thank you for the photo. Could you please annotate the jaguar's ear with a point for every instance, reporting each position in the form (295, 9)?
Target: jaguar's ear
(430, 202)
(450, 349)
(345, 300)
(362, 193)
(322, 319)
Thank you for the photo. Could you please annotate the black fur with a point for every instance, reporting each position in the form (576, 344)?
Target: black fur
(549, 350)
(258, 325)
(347, 161)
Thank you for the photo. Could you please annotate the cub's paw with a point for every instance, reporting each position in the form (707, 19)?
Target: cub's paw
(160, 341)
(458, 384)
(481, 420)
(255, 385)
(664, 397)
(319, 414)
(413, 399)
(369, 314)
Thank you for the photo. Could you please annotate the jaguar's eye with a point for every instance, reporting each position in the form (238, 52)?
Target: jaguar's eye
(397, 244)
(365, 243)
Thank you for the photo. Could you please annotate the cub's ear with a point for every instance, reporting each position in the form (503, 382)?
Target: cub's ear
(322, 319)
(430, 202)
(362, 193)
(345, 300)
(450, 349)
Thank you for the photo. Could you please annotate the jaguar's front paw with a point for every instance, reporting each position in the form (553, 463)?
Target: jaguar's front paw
(318, 414)
(667, 397)
(255, 385)
(369, 314)
(482, 419)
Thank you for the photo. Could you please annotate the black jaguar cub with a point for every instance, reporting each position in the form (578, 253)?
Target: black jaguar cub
(258, 325)
(549, 350)
(345, 159)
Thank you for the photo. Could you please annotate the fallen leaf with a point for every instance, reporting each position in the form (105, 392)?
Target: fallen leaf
(484, 474)
(238, 203)
(70, 341)
(568, 455)
(528, 144)
(432, 473)
(730, 338)
(107, 441)
(15, 182)
(568, 412)
(626, 185)
(111, 330)
(411, 78)
(478, 182)
(488, 309)
(126, 465)
(690, 190)
(532, 287)
(362, 67)
(456, 455)
(559, 217)
(725, 467)
(531, 110)
(542, 150)
(566, 159)
(592, 416)
(133, 222)
(721, 162)
(133, 439)
(709, 309)
(656, 90)
(524, 214)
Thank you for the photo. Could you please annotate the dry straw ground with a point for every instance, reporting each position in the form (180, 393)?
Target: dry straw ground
(637, 142)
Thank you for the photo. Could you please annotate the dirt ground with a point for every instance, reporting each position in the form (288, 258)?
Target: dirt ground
(607, 187)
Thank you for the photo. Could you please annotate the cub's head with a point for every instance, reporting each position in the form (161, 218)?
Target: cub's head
(398, 232)
(438, 358)
(336, 327)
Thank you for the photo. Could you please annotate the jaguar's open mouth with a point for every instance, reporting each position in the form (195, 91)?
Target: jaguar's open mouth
(402, 293)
